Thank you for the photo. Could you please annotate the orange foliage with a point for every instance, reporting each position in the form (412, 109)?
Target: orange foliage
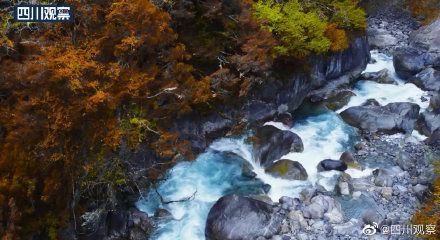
(63, 106)
(429, 212)
(429, 9)
(337, 36)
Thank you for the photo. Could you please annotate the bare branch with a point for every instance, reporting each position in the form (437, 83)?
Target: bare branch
(162, 200)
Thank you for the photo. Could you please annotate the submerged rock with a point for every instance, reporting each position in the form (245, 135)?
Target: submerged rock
(162, 213)
(371, 102)
(339, 99)
(234, 217)
(394, 117)
(287, 169)
(381, 76)
(273, 143)
(328, 165)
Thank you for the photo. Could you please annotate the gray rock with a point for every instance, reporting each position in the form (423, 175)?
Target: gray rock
(262, 198)
(434, 103)
(428, 122)
(381, 76)
(371, 102)
(328, 165)
(289, 203)
(307, 194)
(379, 39)
(421, 191)
(350, 228)
(409, 61)
(359, 146)
(324, 206)
(266, 188)
(273, 143)
(428, 79)
(339, 99)
(383, 178)
(394, 117)
(404, 161)
(277, 237)
(162, 213)
(344, 185)
(287, 169)
(373, 216)
(347, 157)
(429, 38)
(387, 192)
(399, 190)
(234, 217)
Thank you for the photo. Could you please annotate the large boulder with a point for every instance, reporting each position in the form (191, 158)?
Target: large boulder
(381, 76)
(409, 61)
(272, 143)
(428, 122)
(328, 165)
(234, 217)
(428, 79)
(287, 169)
(394, 117)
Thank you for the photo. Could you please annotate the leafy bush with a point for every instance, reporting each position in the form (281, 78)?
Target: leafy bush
(311, 26)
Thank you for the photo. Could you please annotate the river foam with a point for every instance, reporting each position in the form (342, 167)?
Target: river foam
(386, 93)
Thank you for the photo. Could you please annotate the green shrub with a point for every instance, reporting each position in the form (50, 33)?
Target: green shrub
(301, 27)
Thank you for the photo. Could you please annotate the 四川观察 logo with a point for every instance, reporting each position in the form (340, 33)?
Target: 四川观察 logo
(43, 13)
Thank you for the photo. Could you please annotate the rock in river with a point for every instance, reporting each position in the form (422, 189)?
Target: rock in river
(409, 61)
(328, 165)
(287, 169)
(381, 77)
(273, 143)
(234, 217)
(394, 117)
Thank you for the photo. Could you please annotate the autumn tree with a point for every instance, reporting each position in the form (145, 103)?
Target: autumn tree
(65, 105)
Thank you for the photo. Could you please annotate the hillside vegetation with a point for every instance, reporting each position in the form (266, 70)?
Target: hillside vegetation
(73, 96)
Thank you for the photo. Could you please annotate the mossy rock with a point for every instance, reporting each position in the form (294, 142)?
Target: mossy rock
(355, 165)
(287, 169)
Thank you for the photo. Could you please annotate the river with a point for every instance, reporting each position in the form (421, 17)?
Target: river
(219, 170)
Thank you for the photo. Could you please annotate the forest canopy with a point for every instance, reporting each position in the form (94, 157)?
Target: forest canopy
(73, 96)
